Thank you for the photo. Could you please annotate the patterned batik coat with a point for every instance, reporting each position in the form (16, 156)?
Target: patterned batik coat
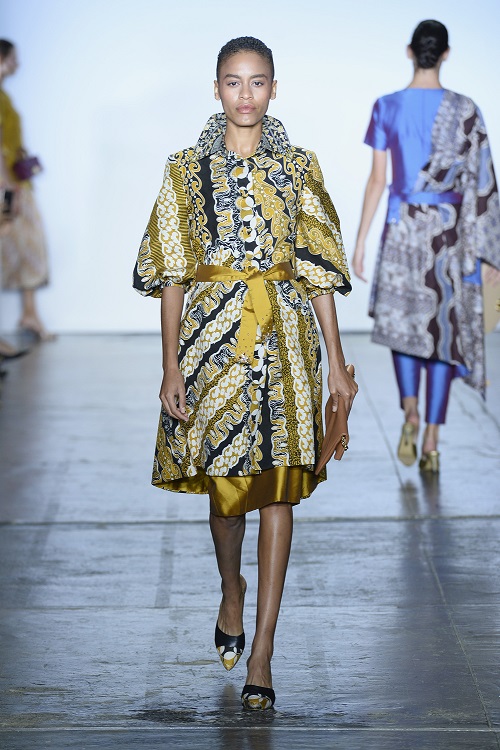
(252, 240)
(421, 304)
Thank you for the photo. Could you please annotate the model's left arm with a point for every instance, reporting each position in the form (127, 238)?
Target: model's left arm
(321, 266)
(340, 382)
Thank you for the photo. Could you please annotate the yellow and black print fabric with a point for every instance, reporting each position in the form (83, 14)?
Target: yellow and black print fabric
(269, 222)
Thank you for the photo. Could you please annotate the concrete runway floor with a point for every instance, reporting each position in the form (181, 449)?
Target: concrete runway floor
(389, 635)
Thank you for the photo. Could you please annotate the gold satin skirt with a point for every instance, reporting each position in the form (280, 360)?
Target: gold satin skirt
(235, 496)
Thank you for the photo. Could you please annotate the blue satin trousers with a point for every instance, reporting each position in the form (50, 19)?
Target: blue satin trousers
(439, 377)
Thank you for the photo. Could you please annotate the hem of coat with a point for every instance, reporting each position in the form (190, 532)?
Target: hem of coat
(461, 370)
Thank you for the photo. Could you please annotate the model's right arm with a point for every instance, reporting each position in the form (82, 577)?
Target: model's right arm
(374, 190)
(173, 390)
(6, 184)
(165, 267)
(4, 172)
(5, 178)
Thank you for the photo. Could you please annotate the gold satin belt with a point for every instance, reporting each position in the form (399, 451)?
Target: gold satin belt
(257, 305)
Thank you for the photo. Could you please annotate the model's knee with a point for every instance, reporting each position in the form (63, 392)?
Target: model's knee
(277, 511)
(228, 523)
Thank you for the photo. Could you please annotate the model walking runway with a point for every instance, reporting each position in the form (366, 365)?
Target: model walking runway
(391, 604)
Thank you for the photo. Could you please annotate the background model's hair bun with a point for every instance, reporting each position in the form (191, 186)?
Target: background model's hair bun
(428, 43)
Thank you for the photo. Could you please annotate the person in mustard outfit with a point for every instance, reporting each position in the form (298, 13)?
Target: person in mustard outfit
(23, 246)
(244, 227)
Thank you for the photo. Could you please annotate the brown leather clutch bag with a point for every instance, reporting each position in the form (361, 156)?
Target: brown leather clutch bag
(336, 433)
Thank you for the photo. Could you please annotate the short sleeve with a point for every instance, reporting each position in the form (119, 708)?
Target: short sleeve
(166, 257)
(376, 136)
(320, 260)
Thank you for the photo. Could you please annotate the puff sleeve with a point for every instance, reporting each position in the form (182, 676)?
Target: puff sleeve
(166, 257)
(320, 260)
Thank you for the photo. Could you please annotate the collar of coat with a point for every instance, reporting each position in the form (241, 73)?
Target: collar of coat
(211, 140)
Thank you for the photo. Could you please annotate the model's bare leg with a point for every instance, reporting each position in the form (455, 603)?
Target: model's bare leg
(275, 539)
(228, 534)
(30, 319)
(410, 406)
(431, 436)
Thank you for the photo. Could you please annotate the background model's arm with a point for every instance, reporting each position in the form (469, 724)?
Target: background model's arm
(173, 390)
(339, 381)
(374, 190)
(4, 172)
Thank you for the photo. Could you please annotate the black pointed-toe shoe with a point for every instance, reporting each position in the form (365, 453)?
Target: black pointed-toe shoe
(256, 698)
(230, 647)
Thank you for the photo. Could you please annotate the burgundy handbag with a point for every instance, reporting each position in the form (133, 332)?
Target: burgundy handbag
(27, 167)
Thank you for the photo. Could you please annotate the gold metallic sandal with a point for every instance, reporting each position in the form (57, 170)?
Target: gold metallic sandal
(430, 462)
(407, 448)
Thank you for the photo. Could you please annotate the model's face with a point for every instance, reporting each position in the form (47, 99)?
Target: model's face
(10, 64)
(245, 88)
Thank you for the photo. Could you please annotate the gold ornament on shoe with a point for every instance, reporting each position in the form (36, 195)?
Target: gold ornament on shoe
(430, 462)
(256, 698)
(229, 647)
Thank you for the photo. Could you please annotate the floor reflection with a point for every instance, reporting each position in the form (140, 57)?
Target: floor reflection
(431, 492)
(257, 732)
(234, 727)
(422, 499)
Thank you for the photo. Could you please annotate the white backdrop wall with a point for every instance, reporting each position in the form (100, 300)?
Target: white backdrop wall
(108, 88)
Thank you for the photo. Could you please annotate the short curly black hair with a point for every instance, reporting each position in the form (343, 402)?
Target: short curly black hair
(244, 44)
(6, 48)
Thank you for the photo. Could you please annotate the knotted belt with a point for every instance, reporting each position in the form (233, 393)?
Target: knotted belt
(257, 305)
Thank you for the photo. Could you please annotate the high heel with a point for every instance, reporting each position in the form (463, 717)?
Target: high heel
(429, 462)
(256, 698)
(407, 448)
(37, 329)
(14, 355)
(230, 647)
(7, 351)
